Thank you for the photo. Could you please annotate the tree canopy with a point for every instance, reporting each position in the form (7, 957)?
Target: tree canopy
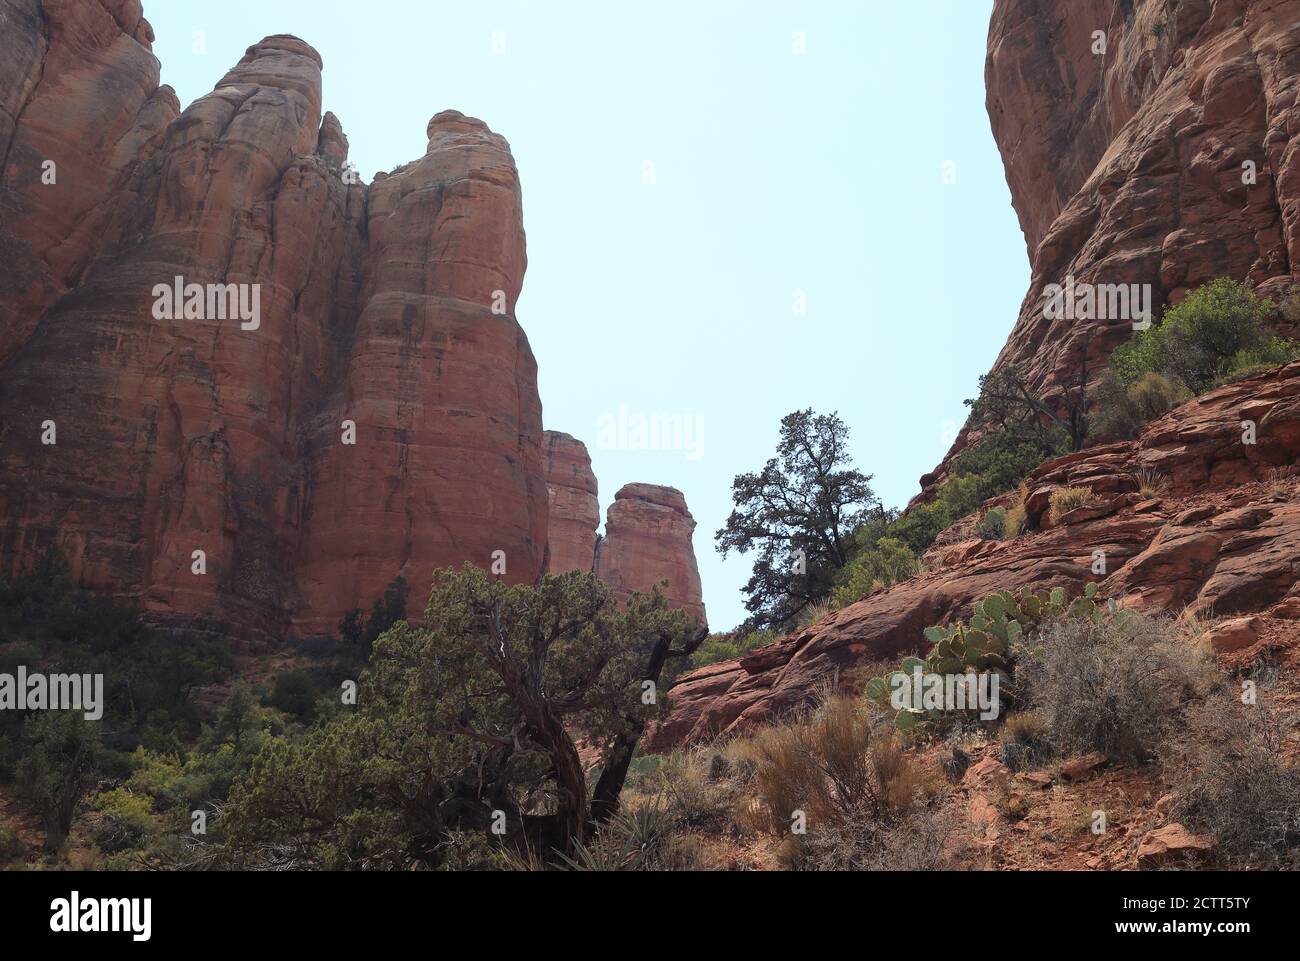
(798, 513)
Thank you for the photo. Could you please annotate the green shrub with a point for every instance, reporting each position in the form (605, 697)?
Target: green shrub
(729, 647)
(993, 525)
(1218, 332)
(295, 693)
(61, 752)
(882, 566)
(1269, 353)
(125, 820)
(1120, 410)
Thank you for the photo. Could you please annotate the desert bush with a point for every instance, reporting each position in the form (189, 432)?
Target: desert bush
(1115, 685)
(12, 847)
(834, 764)
(1231, 780)
(887, 563)
(1067, 499)
(698, 795)
(1016, 516)
(922, 839)
(124, 821)
(992, 526)
(1026, 740)
(729, 647)
(1119, 410)
(60, 755)
(1217, 332)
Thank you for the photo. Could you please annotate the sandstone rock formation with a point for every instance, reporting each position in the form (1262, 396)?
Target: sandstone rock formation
(648, 540)
(1169, 159)
(574, 510)
(387, 307)
(374, 413)
(1221, 535)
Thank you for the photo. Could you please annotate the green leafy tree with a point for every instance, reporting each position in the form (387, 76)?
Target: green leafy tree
(1010, 405)
(798, 513)
(61, 753)
(474, 713)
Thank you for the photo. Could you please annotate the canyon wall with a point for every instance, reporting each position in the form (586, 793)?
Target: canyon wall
(380, 417)
(359, 403)
(1144, 142)
(574, 509)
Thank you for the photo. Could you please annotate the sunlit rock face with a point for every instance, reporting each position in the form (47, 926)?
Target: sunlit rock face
(1145, 143)
(647, 542)
(574, 508)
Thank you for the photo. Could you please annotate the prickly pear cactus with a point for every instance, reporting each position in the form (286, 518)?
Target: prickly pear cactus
(986, 643)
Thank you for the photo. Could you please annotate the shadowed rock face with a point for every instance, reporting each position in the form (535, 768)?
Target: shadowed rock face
(575, 510)
(176, 435)
(648, 540)
(1219, 536)
(1127, 167)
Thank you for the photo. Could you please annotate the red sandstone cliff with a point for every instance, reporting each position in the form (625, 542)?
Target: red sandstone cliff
(176, 435)
(1127, 167)
(648, 540)
(379, 417)
(574, 510)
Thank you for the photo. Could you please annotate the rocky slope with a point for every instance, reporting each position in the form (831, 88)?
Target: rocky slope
(372, 412)
(1220, 535)
(1169, 159)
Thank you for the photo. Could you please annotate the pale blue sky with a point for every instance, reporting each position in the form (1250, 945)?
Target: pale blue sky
(774, 173)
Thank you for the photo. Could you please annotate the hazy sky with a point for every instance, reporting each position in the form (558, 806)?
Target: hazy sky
(779, 178)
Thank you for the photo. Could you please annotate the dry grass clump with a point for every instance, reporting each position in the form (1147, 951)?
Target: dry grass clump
(1066, 499)
(1282, 481)
(1026, 740)
(921, 839)
(703, 788)
(1152, 483)
(1016, 516)
(1233, 782)
(1114, 687)
(832, 765)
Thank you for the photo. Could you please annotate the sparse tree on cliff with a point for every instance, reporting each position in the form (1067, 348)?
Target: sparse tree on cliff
(799, 512)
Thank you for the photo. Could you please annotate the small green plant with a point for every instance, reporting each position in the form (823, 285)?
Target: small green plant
(1067, 499)
(993, 525)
